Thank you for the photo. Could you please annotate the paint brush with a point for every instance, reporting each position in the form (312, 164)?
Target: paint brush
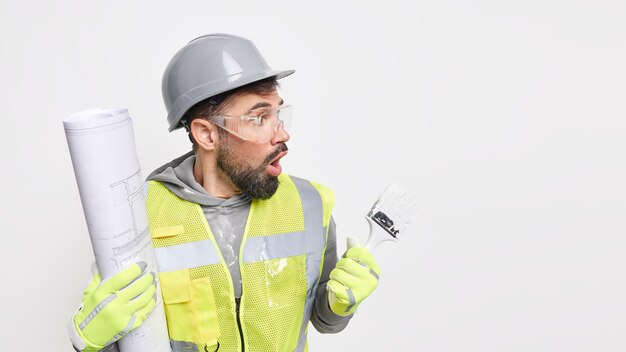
(390, 216)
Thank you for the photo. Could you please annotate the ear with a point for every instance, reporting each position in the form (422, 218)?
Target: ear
(204, 133)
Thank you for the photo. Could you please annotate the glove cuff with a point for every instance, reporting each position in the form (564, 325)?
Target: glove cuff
(77, 339)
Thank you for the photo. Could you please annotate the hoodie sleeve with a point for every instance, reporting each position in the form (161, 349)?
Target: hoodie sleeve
(322, 318)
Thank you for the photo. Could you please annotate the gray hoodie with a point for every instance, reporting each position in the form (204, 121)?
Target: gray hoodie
(227, 220)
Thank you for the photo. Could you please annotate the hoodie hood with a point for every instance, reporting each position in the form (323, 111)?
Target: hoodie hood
(177, 176)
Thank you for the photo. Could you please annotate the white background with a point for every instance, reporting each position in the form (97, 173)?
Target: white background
(505, 119)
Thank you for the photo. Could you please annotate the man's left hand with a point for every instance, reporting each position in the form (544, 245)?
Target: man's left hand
(353, 279)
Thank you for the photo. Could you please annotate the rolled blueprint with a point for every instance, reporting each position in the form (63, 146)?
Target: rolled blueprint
(112, 192)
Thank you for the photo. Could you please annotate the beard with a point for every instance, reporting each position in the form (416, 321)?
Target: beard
(254, 181)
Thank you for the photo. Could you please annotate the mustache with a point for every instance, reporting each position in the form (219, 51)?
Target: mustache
(282, 147)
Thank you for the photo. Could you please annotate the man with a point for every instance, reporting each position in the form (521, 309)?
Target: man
(246, 254)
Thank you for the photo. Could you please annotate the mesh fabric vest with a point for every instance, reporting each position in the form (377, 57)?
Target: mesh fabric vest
(280, 259)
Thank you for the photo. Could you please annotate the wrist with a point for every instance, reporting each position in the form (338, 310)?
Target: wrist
(78, 341)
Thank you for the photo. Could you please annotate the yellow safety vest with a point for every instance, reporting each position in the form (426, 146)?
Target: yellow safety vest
(281, 258)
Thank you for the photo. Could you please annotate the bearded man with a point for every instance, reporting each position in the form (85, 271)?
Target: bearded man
(246, 254)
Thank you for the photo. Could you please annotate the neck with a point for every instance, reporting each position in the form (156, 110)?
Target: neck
(212, 179)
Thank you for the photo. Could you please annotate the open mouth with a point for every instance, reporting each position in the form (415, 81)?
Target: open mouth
(274, 167)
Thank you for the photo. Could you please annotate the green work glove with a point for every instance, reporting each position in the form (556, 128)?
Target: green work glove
(113, 307)
(353, 279)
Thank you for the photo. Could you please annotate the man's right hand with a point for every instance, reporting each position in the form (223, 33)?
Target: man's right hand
(113, 307)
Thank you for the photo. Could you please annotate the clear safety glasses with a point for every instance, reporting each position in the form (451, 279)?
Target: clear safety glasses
(259, 125)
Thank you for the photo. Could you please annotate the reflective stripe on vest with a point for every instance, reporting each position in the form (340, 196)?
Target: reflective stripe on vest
(186, 255)
(184, 346)
(199, 250)
(316, 241)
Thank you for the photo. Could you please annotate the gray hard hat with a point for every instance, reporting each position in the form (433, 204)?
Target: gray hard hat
(210, 65)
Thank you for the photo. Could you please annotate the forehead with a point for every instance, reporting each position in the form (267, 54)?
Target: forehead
(242, 103)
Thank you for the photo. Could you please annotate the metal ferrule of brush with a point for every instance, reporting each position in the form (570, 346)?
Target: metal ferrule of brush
(379, 216)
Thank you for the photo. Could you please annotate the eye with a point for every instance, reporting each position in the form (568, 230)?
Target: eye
(257, 120)
(262, 118)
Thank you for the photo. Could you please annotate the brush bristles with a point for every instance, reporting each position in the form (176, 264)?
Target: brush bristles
(396, 203)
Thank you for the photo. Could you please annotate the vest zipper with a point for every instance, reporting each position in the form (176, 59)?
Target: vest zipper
(237, 303)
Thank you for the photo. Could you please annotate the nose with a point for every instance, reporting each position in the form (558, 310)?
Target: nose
(281, 135)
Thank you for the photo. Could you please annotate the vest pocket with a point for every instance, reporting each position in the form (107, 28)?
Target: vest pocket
(206, 311)
(189, 308)
(167, 231)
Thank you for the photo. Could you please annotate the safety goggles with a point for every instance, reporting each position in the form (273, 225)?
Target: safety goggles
(259, 126)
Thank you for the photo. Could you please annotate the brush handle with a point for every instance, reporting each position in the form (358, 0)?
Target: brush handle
(377, 235)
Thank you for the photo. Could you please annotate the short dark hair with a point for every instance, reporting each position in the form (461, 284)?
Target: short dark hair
(217, 104)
